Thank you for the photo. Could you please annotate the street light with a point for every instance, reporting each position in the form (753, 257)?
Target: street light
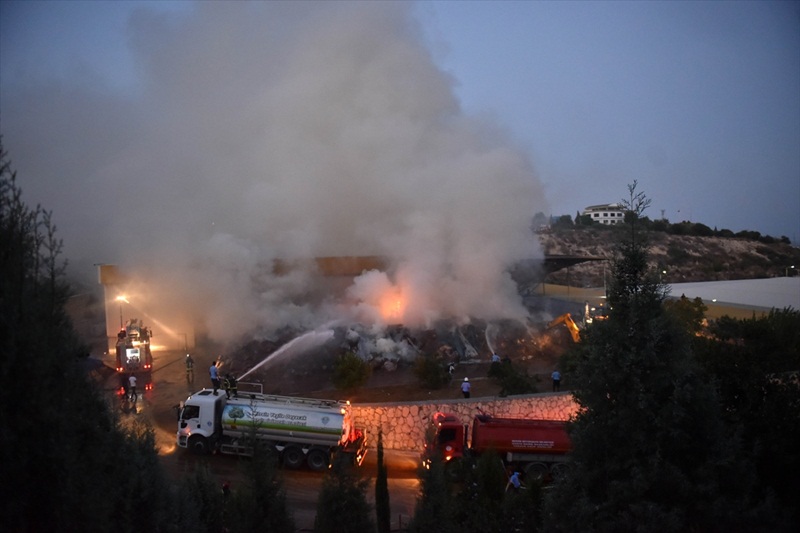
(121, 299)
(786, 274)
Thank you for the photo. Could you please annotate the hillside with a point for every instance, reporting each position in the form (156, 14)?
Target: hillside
(683, 258)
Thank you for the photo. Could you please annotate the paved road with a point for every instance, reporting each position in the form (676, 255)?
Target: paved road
(171, 385)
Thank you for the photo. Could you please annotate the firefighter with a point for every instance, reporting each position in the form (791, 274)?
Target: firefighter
(189, 368)
(230, 386)
(465, 388)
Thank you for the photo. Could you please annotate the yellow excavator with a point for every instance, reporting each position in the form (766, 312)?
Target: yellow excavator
(566, 319)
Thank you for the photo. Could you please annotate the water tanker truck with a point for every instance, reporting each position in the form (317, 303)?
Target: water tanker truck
(300, 431)
(537, 447)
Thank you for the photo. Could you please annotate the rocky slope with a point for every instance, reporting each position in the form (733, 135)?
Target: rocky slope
(680, 258)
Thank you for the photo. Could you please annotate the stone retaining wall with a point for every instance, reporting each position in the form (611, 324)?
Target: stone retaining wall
(404, 423)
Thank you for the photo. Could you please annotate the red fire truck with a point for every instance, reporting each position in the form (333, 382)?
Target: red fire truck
(134, 355)
(537, 447)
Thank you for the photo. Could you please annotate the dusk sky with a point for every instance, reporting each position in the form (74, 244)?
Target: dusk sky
(132, 118)
(698, 101)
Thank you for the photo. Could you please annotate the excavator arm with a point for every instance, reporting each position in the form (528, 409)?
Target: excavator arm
(566, 319)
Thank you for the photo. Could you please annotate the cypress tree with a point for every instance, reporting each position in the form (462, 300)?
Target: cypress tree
(382, 507)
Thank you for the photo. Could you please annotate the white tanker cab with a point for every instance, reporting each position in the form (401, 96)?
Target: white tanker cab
(303, 431)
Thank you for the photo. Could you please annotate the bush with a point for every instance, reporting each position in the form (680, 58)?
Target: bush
(430, 372)
(677, 255)
(350, 372)
(702, 230)
(511, 380)
(342, 506)
(660, 225)
(564, 221)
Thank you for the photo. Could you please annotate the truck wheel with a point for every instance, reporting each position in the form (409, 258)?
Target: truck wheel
(198, 444)
(293, 457)
(271, 456)
(558, 470)
(317, 460)
(536, 471)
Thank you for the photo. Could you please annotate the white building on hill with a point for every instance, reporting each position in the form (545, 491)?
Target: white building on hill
(605, 213)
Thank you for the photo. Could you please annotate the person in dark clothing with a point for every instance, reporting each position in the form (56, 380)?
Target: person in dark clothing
(189, 368)
(230, 386)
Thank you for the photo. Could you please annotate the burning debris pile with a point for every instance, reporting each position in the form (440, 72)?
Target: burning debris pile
(295, 361)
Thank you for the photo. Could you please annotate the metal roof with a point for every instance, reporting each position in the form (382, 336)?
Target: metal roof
(769, 293)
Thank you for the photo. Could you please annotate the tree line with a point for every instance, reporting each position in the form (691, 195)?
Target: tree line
(541, 222)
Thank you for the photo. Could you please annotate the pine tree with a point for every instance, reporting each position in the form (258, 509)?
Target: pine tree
(342, 506)
(60, 447)
(435, 509)
(479, 504)
(260, 503)
(199, 502)
(754, 364)
(650, 451)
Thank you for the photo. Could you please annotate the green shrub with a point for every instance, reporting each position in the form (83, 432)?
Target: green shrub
(677, 254)
(511, 380)
(430, 372)
(350, 372)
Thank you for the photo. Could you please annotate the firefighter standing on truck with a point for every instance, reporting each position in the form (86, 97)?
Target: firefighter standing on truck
(213, 371)
(230, 386)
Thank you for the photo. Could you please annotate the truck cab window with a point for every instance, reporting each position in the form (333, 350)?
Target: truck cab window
(447, 435)
(190, 411)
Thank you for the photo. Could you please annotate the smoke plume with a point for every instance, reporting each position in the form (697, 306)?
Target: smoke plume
(284, 131)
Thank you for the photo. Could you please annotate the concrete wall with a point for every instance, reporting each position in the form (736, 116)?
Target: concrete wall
(404, 423)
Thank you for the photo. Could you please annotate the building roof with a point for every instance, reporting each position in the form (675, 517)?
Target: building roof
(769, 293)
(605, 207)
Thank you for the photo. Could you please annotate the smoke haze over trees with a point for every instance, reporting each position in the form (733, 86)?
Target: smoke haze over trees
(53, 454)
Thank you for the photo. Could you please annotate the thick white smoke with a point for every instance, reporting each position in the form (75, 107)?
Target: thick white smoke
(285, 131)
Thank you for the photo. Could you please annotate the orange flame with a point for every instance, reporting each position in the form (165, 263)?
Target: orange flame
(392, 306)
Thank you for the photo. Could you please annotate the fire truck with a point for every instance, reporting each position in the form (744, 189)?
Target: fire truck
(134, 355)
(537, 447)
(298, 431)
